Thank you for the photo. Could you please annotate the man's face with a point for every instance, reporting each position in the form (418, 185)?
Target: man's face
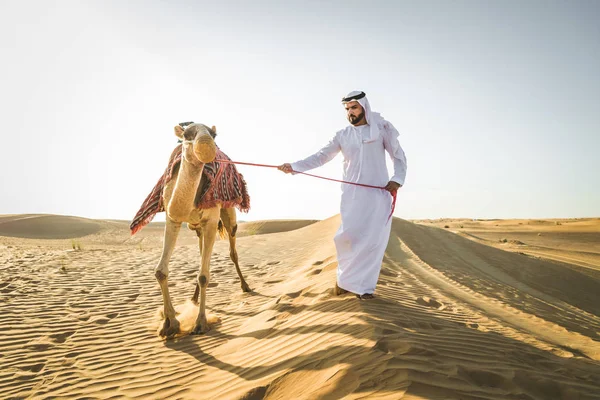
(354, 112)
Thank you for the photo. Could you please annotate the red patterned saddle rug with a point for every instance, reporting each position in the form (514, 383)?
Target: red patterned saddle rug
(220, 183)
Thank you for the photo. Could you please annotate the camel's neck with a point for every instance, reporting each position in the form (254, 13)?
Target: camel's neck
(184, 193)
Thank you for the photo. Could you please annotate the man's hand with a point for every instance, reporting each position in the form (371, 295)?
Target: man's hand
(287, 168)
(392, 186)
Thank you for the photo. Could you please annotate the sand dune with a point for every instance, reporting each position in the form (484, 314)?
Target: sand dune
(39, 226)
(459, 314)
(271, 226)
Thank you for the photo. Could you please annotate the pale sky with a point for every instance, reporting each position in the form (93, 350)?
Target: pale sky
(497, 103)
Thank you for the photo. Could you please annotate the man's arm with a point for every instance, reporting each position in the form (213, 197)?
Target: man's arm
(392, 146)
(318, 159)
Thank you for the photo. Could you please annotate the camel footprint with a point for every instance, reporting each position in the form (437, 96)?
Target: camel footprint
(429, 302)
(33, 367)
(61, 337)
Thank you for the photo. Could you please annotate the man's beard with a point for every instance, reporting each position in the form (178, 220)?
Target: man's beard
(355, 120)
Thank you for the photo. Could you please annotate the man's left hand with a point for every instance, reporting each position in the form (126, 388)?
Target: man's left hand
(392, 186)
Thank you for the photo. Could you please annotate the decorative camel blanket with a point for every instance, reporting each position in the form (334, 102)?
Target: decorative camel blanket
(221, 183)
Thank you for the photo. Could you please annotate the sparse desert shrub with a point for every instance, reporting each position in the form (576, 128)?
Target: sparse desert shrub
(446, 226)
(503, 240)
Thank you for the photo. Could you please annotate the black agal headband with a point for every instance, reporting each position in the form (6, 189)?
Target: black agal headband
(353, 98)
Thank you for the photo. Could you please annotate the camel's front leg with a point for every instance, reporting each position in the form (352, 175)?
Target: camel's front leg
(197, 288)
(208, 238)
(170, 325)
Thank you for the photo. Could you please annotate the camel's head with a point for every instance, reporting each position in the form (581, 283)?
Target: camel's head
(198, 143)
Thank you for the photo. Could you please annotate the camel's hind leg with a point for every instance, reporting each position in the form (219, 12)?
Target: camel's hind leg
(170, 324)
(209, 233)
(229, 219)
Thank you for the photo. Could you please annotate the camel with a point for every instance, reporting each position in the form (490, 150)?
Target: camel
(179, 201)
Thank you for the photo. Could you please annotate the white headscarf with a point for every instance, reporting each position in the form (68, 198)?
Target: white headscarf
(373, 118)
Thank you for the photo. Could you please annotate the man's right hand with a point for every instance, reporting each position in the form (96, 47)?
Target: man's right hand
(287, 168)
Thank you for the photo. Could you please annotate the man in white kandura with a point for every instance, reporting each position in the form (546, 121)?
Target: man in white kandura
(365, 230)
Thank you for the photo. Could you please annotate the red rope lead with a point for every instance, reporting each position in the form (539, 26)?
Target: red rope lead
(393, 194)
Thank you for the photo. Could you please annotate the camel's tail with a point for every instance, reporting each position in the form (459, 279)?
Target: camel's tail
(221, 230)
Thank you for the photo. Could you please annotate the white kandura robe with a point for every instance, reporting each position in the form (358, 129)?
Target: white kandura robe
(365, 229)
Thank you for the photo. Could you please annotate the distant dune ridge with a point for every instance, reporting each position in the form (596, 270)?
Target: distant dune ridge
(494, 309)
(39, 226)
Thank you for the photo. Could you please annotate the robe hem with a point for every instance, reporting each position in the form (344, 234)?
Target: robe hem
(353, 291)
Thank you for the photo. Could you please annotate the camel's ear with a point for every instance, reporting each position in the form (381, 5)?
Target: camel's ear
(178, 131)
(214, 129)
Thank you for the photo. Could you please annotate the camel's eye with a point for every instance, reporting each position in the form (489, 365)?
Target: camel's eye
(189, 134)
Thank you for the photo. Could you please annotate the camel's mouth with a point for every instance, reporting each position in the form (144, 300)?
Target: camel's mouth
(205, 148)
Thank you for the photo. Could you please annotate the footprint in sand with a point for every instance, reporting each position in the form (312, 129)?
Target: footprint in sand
(102, 320)
(429, 302)
(72, 354)
(293, 295)
(7, 289)
(39, 346)
(33, 367)
(133, 297)
(273, 281)
(61, 337)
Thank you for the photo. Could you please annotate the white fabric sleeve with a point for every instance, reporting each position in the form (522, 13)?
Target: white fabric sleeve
(320, 158)
(392, 146)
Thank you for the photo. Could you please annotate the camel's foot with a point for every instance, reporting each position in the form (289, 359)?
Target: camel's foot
(201, 328)
(170, 328)
(245, 287)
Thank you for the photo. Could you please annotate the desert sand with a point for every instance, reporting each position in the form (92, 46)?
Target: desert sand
(464, 309)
